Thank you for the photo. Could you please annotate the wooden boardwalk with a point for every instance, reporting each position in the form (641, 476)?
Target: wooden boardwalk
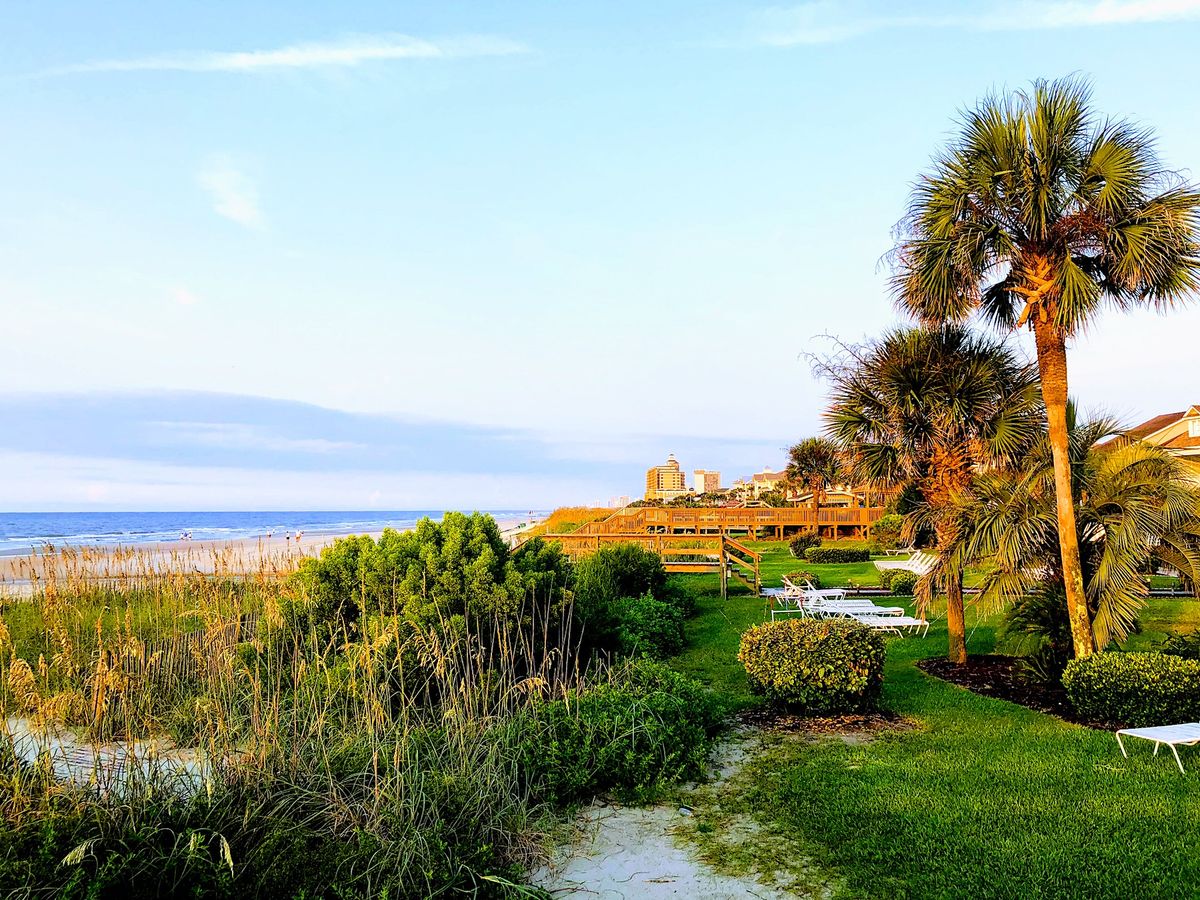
(752, 521)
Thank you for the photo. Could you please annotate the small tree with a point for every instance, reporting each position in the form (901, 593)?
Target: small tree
(926, 408)
(815, 465)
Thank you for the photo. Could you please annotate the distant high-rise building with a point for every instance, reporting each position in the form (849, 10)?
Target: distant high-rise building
(665, 482)
(706, 482)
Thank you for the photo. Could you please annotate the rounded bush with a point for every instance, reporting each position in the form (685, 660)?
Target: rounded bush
(1134, 689)
(837, 555)
(814, 665)
(902, 583)
(803, 542)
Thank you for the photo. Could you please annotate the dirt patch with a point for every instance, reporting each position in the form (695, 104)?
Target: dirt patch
(1004, 678)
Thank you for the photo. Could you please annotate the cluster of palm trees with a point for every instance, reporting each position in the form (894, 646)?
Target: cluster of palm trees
(1038, 215)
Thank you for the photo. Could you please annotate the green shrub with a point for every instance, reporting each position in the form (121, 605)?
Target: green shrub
(885, 578)
(902, 583)
(886, 532)
(1183, 643)
(459, 566)
(330, 588)
(605, 578)
(680, 592)
(814, 665)
(825, 555)
(803, 542)
(800, 576)
(1134, 689)
(649, 726)
(649, 626)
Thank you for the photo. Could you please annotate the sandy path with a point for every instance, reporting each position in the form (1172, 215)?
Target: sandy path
(642, 853)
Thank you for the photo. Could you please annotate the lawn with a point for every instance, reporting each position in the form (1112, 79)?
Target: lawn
(981, 798)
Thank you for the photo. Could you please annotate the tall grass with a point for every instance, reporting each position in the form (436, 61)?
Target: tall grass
(378, 759)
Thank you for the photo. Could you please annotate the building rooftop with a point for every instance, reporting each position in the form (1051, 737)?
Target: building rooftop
(1156, 424)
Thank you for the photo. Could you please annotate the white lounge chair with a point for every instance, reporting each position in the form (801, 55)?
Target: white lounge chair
(1184, 735)
(809, 590)
(896, 624)
(918, 563)
(825, 607)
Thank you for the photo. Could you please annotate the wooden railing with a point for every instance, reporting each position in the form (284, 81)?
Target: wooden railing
(721, 519)
(681, 553)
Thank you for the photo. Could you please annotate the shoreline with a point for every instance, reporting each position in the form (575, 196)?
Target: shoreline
(19, 572)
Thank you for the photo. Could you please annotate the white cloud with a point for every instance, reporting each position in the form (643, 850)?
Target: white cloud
(184, 297)
(234, 195)
(348, 52)
(827, 21)
(239, 436)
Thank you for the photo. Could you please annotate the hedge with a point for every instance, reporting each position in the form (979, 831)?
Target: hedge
(820, 666)
(803, 542)
(837, 555)
(1134, 689)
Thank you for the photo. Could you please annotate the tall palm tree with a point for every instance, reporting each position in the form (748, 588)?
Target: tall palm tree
(814, 463)
(929, 408)
(1134, 503)
(1039, 214)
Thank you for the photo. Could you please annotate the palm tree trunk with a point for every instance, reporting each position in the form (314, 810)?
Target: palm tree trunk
(956, 619)
(1052, 366)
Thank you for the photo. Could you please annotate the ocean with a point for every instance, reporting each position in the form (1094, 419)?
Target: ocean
(20, 532)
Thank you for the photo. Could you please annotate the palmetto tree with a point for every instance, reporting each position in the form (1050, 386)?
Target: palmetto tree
(1133, 503)
(930, 408)
(1039, 214)
(814, 463)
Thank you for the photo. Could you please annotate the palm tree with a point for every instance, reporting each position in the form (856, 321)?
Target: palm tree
(814, 463)
(928, 409)
(1133, 503)
(1038, 214)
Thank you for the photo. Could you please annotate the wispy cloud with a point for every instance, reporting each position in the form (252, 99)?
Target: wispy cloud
(240, 436)
(344, 53)
(234, 195)
(828, 21)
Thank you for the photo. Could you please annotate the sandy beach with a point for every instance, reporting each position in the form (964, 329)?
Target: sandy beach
(19, 574)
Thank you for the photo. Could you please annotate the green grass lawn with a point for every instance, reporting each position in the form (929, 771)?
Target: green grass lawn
(981, 798)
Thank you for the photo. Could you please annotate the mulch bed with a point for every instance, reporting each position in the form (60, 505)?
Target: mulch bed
(768, 719)
(1004, 678)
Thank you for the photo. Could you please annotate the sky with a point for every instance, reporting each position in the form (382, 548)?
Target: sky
(395, 255)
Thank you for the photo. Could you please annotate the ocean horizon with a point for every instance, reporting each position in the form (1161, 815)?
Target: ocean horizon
(22, 531)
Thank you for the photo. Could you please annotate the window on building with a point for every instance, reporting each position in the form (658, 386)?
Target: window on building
(1194, 427)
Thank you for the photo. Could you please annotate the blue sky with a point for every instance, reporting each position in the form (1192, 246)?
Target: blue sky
(299, 255)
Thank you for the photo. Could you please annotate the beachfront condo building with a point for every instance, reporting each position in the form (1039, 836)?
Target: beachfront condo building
(706, 482)
(665, 482)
